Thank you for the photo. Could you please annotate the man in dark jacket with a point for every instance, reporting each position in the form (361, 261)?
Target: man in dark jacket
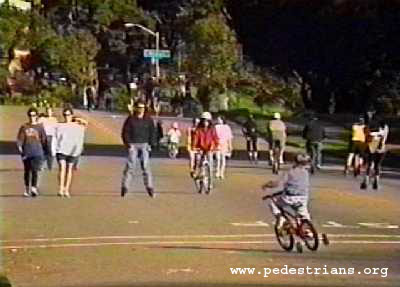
(314, 133)
(138, 135)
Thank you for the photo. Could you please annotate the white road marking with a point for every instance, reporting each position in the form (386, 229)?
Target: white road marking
(251, 224)
(379, 225)
(334, 224)
(133, 222)
(186, 270)
(158, 243)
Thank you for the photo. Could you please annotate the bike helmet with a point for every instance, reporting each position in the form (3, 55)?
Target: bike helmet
(206, 116)
(302, 158)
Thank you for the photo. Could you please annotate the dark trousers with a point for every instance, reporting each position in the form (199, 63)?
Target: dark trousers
(32, 167)
(375, 160)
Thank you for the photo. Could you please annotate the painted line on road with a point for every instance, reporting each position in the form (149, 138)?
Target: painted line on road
(188, 236)
(14, 248)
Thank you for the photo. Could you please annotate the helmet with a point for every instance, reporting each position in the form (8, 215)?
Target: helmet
(302, 158)
(175, 125)
(206, 116)
(277, 116)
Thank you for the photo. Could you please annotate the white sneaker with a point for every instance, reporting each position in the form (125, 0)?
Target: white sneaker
(66, 194)
(27, 194)
(34, 191)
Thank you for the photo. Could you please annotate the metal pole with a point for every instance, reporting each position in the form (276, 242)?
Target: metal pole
(157, 58)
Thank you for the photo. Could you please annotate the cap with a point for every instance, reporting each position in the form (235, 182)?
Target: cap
(277, 116)
(206, 116)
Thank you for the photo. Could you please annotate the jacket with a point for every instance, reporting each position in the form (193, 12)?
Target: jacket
(314, 131)
(138, 130)
(205, 140)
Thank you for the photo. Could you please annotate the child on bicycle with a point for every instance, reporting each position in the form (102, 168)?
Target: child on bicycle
(205, 140)
(296, 187)
(174, 136)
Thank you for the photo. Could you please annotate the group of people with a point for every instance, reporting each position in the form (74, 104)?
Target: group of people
(203, 137)
(44, 138)
(367, 147)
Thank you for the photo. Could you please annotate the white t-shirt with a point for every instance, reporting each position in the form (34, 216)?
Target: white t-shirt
(49, 125)
(174, 135)
(69, 138)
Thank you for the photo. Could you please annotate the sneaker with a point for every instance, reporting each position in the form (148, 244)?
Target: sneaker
(124, 191)
(27, 194)
(60, 194)
(192, 174)
(363, 185)
(66, 194)
(375, 185)
(150, 191)
(34, 191)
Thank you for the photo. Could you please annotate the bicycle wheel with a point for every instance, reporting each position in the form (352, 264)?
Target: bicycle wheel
(284, 234)
(309, 235)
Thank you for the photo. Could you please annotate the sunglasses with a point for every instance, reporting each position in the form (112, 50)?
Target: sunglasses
(32, 115)
(66, 115)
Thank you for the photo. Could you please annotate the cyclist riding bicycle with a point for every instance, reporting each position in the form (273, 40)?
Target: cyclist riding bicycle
(205, 141)
(296, 188)
(174, 138)
(276, 135)
(189, 136)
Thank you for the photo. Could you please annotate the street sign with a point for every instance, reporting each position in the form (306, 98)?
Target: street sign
(152, 53)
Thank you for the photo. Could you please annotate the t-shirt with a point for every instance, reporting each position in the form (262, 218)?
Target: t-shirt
(49, 125)
(358, 133)
(31, 140)
(277, 129)
(297, 182)
(174, 135)
(224, 133)
(69, 138)
(250, 129)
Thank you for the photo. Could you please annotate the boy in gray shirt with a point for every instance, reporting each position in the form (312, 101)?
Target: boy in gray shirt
(296, 188)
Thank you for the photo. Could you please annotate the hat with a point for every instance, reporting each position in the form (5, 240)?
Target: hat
(206, 116)
(302, 158)
(277, 116)
(140, 105)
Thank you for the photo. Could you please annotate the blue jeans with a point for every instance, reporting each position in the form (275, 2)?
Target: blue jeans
(137, 152)
(314, 149)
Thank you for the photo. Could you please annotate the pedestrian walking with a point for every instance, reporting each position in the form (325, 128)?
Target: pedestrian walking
(32, 146)
(224, 150)
(250, 133)
(69, 136)
(277, 134)
(314, 134)
(138, 135)
(49, 123)
(192, 152)
(377, 134)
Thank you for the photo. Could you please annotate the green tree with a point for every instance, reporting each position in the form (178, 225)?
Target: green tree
(212, 52)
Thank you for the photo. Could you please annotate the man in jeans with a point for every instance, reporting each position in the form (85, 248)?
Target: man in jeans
(314, 133)
(138, 135)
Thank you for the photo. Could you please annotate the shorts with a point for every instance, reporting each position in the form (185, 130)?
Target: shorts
(251, 144)
(358, 147)
(68, 158)
(275, 142)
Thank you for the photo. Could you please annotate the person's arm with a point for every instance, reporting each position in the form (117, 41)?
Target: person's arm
(152, 133)
(305, 131)
(125, 132)
(21, 139)
(43, 139)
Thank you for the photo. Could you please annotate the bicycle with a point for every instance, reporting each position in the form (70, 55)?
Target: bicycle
(276, 153)
(203, 174)
(290, 224)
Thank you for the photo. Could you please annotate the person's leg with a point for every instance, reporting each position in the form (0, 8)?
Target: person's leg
(68, 178)
(129, 170)
(223, 165)
(369, 163)
(377, 167)
(145, 165)
(49, 156)
(27, 176)
(255, 149)
(283, 146)
(36, 167)
(61, 175)
(318, 147)
(249, 150)
(219, 162)
(210, 156)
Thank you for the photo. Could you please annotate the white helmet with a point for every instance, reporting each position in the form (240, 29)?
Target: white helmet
(277, 116)
(206, 116)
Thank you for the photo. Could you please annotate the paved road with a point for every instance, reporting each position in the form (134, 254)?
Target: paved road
(181, 238)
